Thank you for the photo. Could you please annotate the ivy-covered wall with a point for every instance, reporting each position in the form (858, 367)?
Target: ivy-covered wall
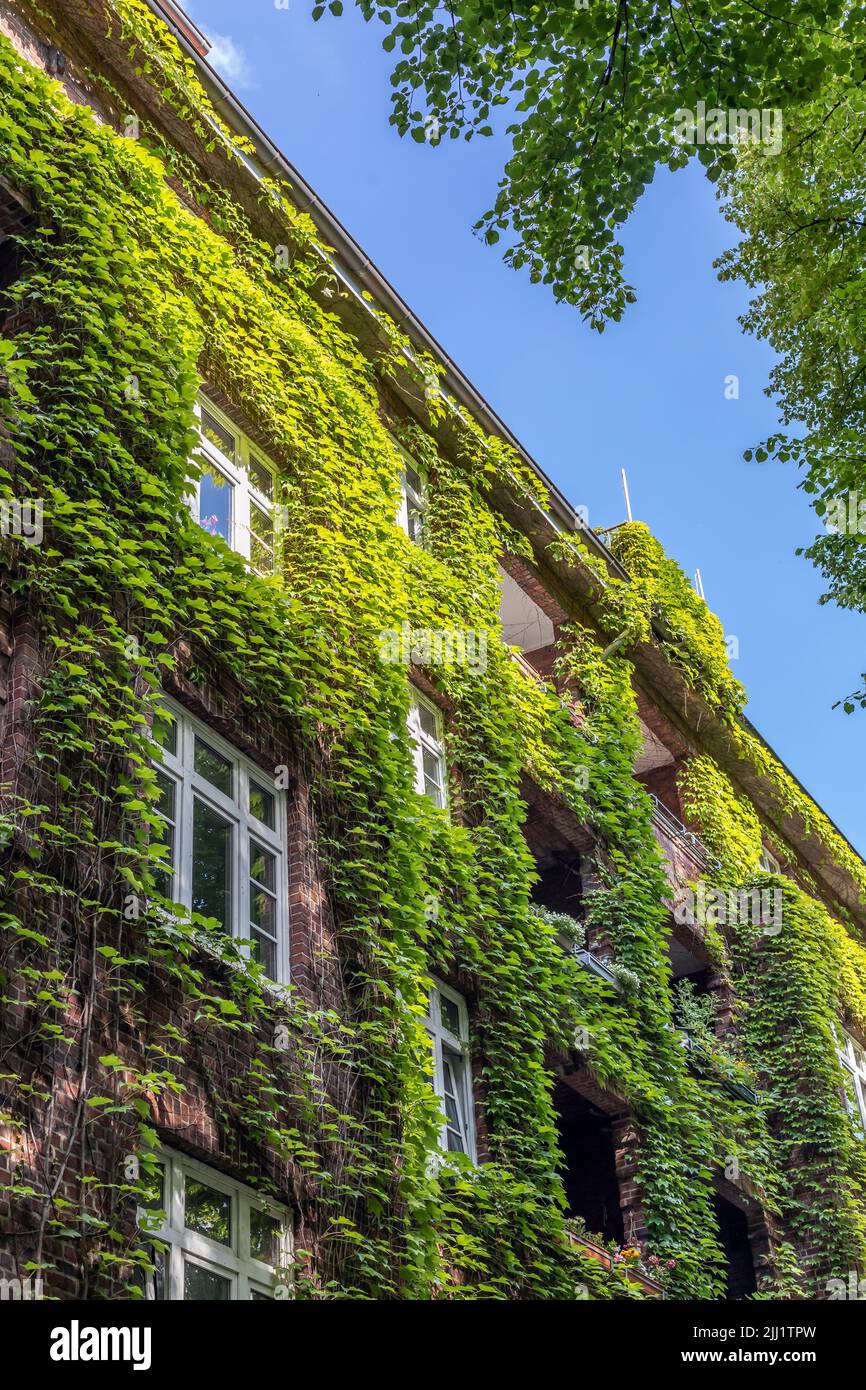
(128, 296)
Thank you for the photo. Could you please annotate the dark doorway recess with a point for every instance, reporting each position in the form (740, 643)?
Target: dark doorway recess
(734, 1237)
(589, 1165)
(560, 887)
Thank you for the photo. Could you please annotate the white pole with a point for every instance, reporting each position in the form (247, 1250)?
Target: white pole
(699, 585)
(627, 498)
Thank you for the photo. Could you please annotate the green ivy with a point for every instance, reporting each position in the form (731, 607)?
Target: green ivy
(131, 299)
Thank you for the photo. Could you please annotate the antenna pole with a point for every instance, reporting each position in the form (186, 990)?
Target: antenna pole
(627, 498)
(699, 585)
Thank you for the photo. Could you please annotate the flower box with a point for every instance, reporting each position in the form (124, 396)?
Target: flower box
(595, 1252)
(648, 1286)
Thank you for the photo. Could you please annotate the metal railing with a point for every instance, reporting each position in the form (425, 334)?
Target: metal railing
(674, 829)
(739, 1089)
(597, 966)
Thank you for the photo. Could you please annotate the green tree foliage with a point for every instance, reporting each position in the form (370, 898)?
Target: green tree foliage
(803, 252)
(589, 93)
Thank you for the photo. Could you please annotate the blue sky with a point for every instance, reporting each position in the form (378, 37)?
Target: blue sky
(647, 395)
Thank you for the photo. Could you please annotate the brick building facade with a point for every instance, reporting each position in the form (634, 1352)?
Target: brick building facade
(249, 807)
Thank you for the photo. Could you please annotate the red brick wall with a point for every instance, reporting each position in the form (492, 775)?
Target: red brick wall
(52, 1147)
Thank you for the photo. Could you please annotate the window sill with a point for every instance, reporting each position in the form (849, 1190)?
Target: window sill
(212, 944)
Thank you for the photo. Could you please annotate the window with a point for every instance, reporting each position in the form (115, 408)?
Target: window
(425, 727)
(225, 832)
(413, 501)
(448, 1026)
(236, 492)
(769, 863)
(223, 1240)
(853, 1059)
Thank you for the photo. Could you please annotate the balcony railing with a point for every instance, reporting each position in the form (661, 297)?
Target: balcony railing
(703, 1057)
(673, 829)
(597, 966)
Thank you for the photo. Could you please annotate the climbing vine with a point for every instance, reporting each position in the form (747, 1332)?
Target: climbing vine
(126, 300)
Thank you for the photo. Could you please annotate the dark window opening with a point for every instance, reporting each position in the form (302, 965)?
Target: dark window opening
(9, 264)
(588, 1164)
(686, 965)
(14, 235)
(559, 887)
(10, 269)
(740, 1280)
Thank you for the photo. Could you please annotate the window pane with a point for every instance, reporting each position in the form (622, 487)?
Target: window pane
(265, 1233)
(262, 805)
(155, 1286)
(201, 1284)
(153, 1199)
(261, 540)
(261, 477)
(415, 525)
(166, 807)
(263, 910)
(257, 1293)
(263, 907)
(218, 435)
(207, 1211)
(450, 1015)
(211, 864)
(416, 504)
(165, 733)
(262, 865)
(215, 503)
(432, 776)
(264, 950)
(166, 786)
(214, 767)
(428, 721)
(452, 1072)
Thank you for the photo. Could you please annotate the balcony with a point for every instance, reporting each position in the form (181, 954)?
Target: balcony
(702, 1061)
(685, 852)
(596, 966)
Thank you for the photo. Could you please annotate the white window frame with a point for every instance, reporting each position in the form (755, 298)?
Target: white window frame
(455, 1049)
(246, 1274)
(190, 786)
(245, 493)
(769, 862)
(413, 501)
(422, 742)
(854, 1066)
